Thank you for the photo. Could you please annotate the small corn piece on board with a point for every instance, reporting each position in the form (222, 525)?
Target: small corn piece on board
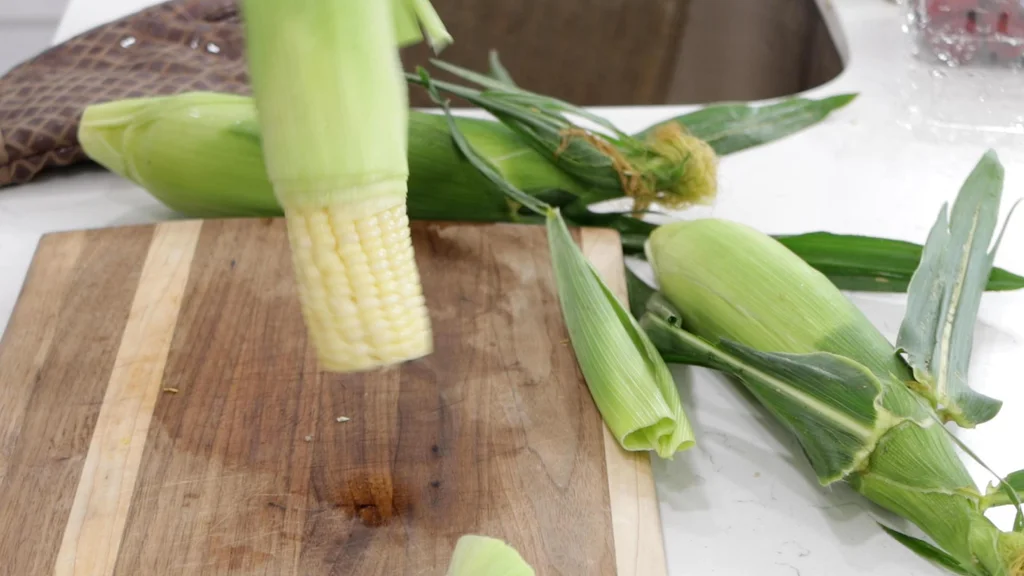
(162, 412)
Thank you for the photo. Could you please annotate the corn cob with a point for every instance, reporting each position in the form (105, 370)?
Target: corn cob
(335, 153)
(358, 283)
(738, 301)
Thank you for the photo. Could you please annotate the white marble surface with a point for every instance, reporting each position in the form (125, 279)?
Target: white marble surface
(745, 501)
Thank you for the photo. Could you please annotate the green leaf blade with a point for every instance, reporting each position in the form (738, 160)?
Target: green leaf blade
(731, 127)
(928, 552)
(945, 295)
(1016, 480)
(676, 345)
(870, 264)
(628, 380)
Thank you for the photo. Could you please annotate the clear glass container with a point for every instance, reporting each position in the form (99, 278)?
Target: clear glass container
(966, 79)
(968, 32)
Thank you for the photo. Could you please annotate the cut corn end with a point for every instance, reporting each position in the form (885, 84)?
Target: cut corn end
(358, 285)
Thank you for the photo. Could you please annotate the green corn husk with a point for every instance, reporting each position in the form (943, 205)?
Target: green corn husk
(482, 556)
(627, 378)
(632, 387)
(148, 140)
(738, 301)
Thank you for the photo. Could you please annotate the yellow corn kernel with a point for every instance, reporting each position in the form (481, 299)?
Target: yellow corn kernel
(358, 284)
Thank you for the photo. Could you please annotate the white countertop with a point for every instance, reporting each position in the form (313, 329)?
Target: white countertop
(745, 501)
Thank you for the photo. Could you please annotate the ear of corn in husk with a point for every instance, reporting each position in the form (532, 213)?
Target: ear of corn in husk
(332, 108)
(628, 380)
(216, 136)
(528, 161)
(738, 301)
(482, 556)
(219, 173)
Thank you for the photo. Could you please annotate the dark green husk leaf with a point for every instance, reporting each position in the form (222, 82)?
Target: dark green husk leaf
(867, 264)
(1016, 480)
(639, 293)
(831, 403)
(927, 551)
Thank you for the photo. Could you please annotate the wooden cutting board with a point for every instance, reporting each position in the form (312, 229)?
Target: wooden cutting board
(161, 412)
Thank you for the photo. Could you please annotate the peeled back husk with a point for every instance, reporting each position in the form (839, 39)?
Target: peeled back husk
(627, 378)
(738, 301)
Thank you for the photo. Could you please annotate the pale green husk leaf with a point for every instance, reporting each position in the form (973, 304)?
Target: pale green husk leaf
(482, 556)
(629, 381)
(945, 294)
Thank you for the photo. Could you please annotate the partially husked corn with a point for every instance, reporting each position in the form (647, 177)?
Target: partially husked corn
(359, 285)
(744, 304)
(333, 109)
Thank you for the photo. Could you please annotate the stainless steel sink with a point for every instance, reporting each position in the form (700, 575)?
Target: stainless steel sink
(752, 49)
(633, 52)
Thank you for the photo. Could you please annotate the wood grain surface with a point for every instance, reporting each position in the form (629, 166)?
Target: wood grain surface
(162, 413)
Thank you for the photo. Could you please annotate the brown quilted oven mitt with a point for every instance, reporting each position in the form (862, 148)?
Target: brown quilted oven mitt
(174, 47)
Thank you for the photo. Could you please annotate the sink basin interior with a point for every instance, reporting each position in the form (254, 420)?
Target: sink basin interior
(636, 52)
